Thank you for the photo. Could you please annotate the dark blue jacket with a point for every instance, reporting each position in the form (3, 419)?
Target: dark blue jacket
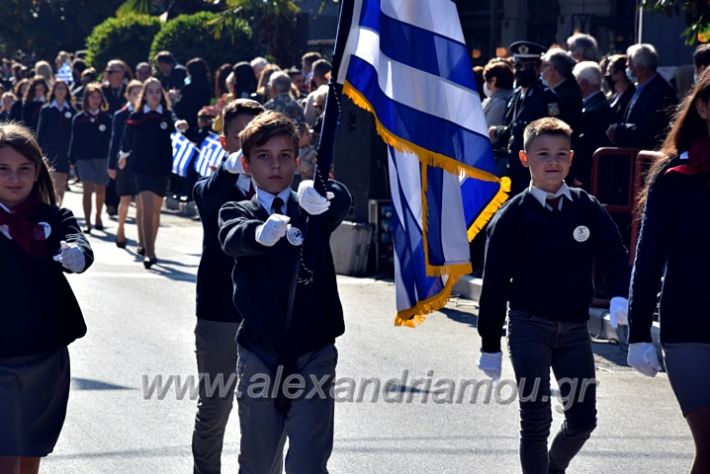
(54, 132)
(674, 243)
(214, 275)
(263, 278)
(534, 261)
(90, 136)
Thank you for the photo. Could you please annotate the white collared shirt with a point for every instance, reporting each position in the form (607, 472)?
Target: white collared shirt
(147, 109)
(4, 228)
(266, 199)
(55, 104)
(541, 196)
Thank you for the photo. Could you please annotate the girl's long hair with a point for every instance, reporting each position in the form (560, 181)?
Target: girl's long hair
(21, 139)
(687, 125)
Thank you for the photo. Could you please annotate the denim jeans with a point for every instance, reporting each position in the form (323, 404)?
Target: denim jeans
(537, 344)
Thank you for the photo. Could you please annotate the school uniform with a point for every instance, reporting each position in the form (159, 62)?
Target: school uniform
(294, 333)
(40, 317)
(30, 113)
(125, 178)
(540, 259)
(54, 133)
(673, 249)
(217, 317)
(88, 147)
(147, 138)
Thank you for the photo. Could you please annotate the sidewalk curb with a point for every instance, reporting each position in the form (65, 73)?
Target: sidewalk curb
(599, 326)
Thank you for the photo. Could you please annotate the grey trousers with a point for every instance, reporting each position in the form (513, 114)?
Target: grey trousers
(216, 351)
(308, 424)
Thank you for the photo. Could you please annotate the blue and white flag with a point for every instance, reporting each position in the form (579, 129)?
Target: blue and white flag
(406, 62)
(183, 152)
(211, 155)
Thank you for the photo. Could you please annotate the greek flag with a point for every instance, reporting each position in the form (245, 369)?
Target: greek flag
(406, 62)
(64, 73)
(183, 152)
(211, 154)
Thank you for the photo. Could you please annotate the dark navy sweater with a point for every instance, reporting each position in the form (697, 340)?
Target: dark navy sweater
(264, 276)
(147, 137)
(54, 132)
(214, 275)
(90, 136)
(538, 261)
(674, 243)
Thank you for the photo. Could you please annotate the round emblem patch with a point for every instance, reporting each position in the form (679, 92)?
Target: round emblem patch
(164, 125)
(294, 236)
(581, 233)
(102, 128)
(67, 114)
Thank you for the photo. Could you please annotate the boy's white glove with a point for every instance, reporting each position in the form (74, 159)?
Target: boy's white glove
(619, 312)
(71, 257)
(490, 364)
(644, 358)
(310, 200)
(268, 233)
(233, 163)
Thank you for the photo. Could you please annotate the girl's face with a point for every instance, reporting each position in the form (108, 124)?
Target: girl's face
(153, 93)
(134, 95)
(40, 91)
(60, 92)
(17, 177)
(94, 100)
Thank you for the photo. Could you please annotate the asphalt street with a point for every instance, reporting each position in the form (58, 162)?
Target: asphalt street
(141, 327)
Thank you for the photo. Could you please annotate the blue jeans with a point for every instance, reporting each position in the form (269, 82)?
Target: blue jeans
(537, 344)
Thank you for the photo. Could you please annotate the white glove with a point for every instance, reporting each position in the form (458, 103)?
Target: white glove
(644, 358)
(233, 163)
(619, 312)
(310, 200)
(268, 233)
(490, 364)
(71, 257)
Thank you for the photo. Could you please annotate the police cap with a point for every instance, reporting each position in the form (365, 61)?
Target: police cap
(526, 50)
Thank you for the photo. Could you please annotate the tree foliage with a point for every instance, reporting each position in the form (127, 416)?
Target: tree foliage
(128, 38)
(45, 27)
(189, 36)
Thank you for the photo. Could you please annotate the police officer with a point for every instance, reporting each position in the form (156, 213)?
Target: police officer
(531, 100)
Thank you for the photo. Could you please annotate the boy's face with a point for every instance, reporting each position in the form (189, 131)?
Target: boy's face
(549, 158)
(273, 164)
(230, 140)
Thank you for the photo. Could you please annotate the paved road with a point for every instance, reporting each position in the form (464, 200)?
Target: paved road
(141, 322)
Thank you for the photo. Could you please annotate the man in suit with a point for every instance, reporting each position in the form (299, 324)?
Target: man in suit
(596, 114)
(651, 107)
(531, 100)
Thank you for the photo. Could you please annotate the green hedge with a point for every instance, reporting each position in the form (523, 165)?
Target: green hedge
(190, 36)
(128, 38)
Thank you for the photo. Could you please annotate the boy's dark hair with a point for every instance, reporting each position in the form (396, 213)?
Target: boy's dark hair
(265, 127)
(545, 126)
(240, 107)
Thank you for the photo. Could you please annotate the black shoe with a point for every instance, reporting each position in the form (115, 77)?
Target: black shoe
(140, 250)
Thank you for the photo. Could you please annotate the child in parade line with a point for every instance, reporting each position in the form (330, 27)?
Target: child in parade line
(54, 134)
(541, 249)
(217, 318)
(40, 316)
(88, 150)
(33, 100)
(147, 149)
(673, 248)
(125, 179)
(289, 323)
